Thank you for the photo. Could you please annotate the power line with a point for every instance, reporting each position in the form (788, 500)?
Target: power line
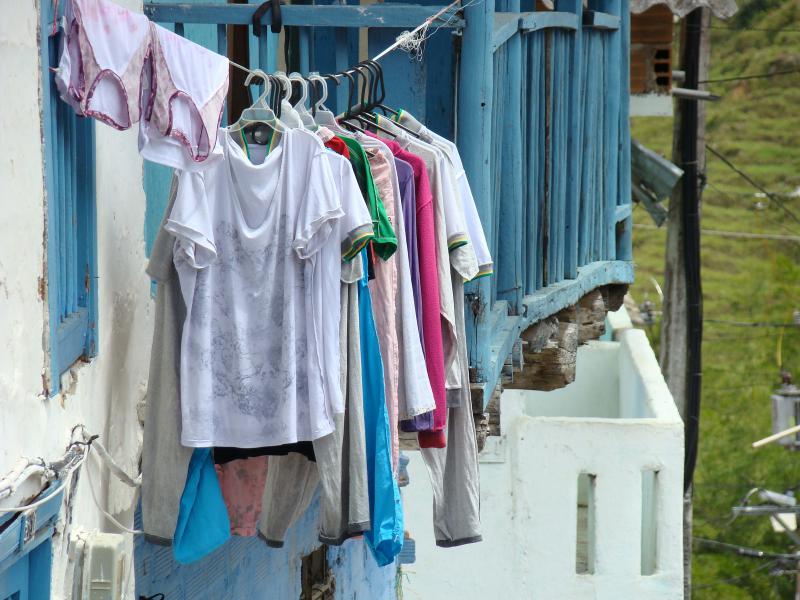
(726, 196)
(746, 77)
(744, 550)
(752, 182)
(751, 324)
(736, 234)
(736, 579)
(733, 28)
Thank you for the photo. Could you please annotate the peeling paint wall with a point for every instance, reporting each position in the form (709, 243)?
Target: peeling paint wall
(103, 395)
(106, 395)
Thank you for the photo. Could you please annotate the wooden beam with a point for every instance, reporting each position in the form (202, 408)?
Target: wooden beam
(534, 21)
(591, 316)
(593, 19)
(506, 24)
(474, 135)
(376, 15)
(622, 212)
(553, 367)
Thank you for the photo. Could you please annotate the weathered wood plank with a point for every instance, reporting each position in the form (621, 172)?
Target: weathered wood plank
(537, 335)
(591, 316)
(475, 94)
(553, 367)
(509, 278)
(593, 19)
(622, 212)
(538, 306)
(535, 21)
(574, 135)
(612, 129)
(376, 15)
(625, 240)
(614, 296)
(506, 24)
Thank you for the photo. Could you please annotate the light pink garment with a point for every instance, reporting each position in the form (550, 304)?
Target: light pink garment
(384, 299)
(189, 85)
(432, 322)
(102, 62)
(242, 482)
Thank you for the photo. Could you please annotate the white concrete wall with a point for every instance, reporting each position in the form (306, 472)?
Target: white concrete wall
(616, 422)
(103, 394)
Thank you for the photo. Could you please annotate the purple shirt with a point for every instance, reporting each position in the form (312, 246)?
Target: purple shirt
(405, 175)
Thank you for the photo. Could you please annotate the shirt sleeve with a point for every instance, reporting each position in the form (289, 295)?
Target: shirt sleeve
(355, 226)
(475, 228)
(462, 251)
(190, 222)
(319, 208)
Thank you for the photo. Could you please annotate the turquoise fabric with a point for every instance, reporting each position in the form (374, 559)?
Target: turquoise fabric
(203, 524)
(385, 539)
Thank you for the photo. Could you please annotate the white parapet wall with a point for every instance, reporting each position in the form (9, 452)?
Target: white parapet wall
(580, 496)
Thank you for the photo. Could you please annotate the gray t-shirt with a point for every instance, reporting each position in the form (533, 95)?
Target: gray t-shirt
(164, 460)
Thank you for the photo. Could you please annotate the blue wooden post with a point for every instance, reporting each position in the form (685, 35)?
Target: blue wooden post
(624, 244)
(222, 48)
(537, 164)
(611, 190)
(474, 133)
(575, 135)
(509, 244)
(305, 50)
(342, 62)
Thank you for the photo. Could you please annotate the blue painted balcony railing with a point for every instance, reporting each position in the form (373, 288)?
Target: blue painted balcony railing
(538, 104)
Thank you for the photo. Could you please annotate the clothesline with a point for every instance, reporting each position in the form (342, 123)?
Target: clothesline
(404, 38)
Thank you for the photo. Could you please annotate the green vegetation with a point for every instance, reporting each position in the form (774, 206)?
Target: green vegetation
(756, 125)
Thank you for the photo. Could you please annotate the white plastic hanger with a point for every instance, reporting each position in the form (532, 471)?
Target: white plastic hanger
(300, 105)
(259, 112)
(322, 115)
(288, 114)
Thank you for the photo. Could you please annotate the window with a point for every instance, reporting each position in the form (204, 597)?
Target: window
(71, 222)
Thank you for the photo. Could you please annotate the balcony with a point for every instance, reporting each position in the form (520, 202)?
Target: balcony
(580, 494)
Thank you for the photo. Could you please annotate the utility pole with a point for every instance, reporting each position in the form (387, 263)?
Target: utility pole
(681, 328)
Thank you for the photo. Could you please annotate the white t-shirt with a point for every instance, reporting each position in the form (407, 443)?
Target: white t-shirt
(475, 230)
(249, 238)
(324, 276)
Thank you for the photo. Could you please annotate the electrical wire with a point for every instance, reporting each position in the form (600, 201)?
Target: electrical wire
(108, 515)
(751, 323)
(745, 235)
(744, 550)
(748, 77)
(736, 579)
(690, 221)
(57, 490)
(734, 28)
(752, 182)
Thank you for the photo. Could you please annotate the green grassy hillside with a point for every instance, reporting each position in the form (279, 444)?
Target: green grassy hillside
(756, 125)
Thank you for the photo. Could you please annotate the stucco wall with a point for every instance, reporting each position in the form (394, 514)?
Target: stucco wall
(617, 422)
(247, 569)
(105, 394)
(102, 395)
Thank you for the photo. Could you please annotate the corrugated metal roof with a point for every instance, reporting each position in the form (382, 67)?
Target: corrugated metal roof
(721, 8)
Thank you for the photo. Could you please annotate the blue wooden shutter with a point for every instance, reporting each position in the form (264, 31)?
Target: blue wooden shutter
(71, 219)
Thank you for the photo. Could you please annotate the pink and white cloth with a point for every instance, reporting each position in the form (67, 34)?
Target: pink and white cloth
(119, 68)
